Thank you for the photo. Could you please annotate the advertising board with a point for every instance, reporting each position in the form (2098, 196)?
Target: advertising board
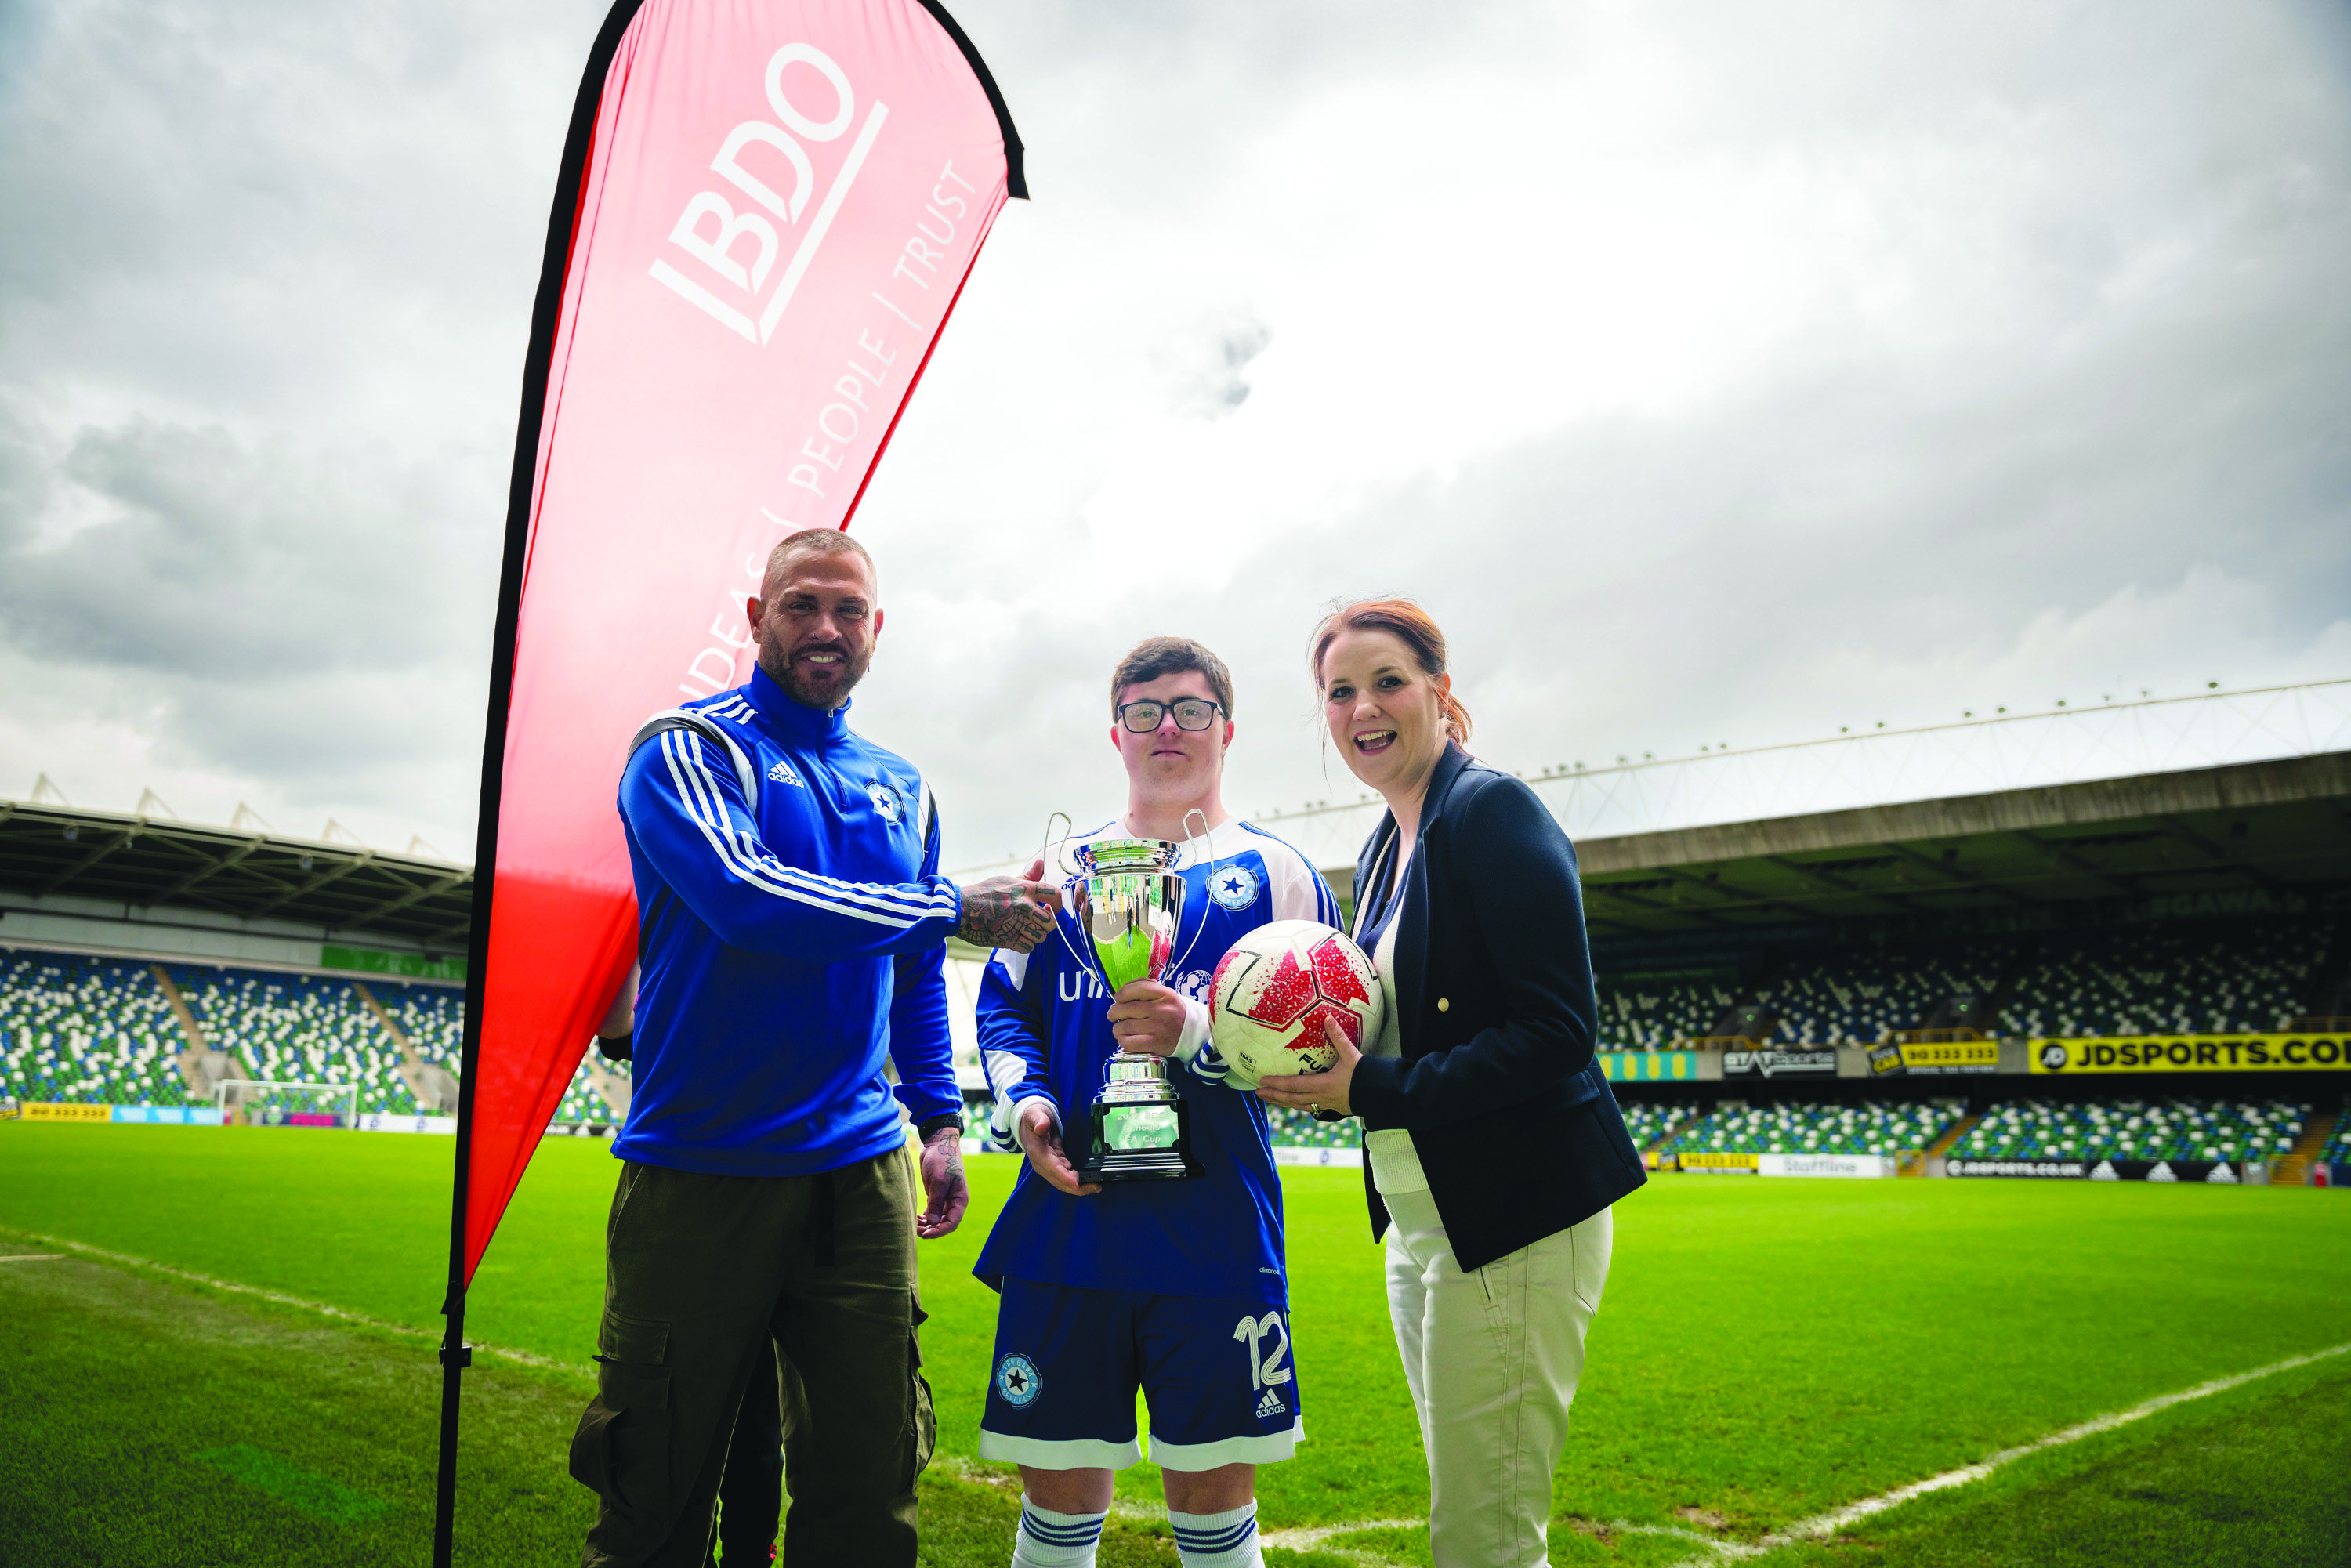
(375, 1122)
(1866, 1166)
(1720, 1164)
(2192, 1053)
(59, 1112)
(1649, 1066)
(1938, 1058)
(169, 1116)
(1780, 1063)
(2214, 1173)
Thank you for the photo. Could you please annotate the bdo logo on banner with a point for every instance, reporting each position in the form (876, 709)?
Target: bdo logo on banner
(738, 248)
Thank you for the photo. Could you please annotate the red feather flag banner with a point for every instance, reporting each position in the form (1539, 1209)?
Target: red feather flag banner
(766, 212)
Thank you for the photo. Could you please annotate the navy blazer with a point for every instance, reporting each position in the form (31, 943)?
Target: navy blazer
(1515, 1127)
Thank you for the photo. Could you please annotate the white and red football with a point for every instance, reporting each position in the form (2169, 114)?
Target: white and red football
(1275, 987)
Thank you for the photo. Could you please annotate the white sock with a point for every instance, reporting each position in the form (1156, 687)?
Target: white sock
(1049, 1540)
(1217, 1540)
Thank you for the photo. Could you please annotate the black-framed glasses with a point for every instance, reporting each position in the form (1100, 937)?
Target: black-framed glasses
(1191, 712)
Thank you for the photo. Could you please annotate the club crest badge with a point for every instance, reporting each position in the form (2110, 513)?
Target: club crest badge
(1233, 887)
(885, 800)
(1016, 1383)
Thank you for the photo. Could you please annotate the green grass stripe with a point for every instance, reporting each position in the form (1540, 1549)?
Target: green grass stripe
(297, 1488)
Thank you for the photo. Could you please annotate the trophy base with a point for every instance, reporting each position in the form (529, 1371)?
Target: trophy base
(1141, 1140)
(1139, 1165)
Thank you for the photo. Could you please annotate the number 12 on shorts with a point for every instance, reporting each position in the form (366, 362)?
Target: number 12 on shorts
(1265, 1365)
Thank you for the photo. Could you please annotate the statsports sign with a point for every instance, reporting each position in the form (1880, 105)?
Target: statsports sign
(2195, 1054)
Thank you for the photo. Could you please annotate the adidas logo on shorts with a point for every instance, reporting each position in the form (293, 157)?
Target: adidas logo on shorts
(1272, 1404)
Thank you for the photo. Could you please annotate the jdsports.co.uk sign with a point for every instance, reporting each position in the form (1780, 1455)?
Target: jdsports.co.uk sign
(2194, 1053)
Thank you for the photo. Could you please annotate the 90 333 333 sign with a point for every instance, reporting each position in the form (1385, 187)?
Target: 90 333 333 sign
(2193, 1053)
(1717, 1162)
(63, 1111)
(1935, 1059)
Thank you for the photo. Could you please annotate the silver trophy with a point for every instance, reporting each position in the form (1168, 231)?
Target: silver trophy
(1130, 904)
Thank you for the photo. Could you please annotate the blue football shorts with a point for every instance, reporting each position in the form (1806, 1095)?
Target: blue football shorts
(1216, 1373)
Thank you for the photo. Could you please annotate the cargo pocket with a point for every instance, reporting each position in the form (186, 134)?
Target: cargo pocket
(621, 1450)
(921, 1417)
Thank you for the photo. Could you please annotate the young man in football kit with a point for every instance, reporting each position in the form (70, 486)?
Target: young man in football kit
(1177, 1287)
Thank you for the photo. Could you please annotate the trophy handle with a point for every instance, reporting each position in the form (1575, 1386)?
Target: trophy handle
(1058, 864)
(1206, 841)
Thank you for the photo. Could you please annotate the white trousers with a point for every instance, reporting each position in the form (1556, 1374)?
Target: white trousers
(1492, 1360)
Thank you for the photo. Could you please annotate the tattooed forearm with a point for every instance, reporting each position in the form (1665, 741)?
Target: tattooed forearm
(1005, 912)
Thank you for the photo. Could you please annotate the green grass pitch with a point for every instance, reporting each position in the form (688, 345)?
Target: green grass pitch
(1765, 1351)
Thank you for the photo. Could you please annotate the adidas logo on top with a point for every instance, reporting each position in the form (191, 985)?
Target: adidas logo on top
(1272, 1404)
(782, 773)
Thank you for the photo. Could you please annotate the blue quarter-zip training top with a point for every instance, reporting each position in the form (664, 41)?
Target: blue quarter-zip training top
(789, 935)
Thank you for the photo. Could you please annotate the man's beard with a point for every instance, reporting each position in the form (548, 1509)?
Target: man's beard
(823, 686)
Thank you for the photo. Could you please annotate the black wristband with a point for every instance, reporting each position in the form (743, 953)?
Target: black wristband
(924, 1128)
(616, 1047)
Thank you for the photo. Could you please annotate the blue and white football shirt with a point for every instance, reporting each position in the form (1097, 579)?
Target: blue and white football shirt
(1043, 1034)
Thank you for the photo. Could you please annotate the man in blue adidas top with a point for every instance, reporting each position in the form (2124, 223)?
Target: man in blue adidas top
(792, 919)
(1177, 1287)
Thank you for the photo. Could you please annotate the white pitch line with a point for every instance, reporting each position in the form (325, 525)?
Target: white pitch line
(83, 1249)
(33, 1258)
(1823, 1525)
(1307, 1538)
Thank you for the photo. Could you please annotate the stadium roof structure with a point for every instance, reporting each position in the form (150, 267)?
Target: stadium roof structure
(2231, 796)
(2205, 838)
(53, 851)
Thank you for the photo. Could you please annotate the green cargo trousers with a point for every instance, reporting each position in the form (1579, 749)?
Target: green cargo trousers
(704, 1273)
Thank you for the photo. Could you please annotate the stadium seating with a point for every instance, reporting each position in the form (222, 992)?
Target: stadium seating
(2204, 978)
(1647, 1121)
(2132, 1130)
(431, 1017)
(1866, 1127)
(96, 1030)
(2200, 979)
(1861, 996)
(582, 1104)
(2336, 1152)
(1651, 1012)
(1295, 1130)
(294, 1028)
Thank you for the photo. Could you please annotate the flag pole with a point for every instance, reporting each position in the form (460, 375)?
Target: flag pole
(546, 312)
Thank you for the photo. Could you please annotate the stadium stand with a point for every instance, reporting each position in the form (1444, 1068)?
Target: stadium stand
(1650, 1012)
(431, 1017)
(2133, 1130)
(2245, 974)
(2337, 1149)
(1648, 1120)
(296, 1028)
(78, 1028)
(1866, 1127)
(1862, 997)
(1295, 1130)
(582, 1104)
(2199, 978)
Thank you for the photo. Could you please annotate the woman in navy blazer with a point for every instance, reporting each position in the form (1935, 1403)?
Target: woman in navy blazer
(1493, 1147)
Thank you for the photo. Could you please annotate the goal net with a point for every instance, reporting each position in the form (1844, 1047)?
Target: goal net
(260, 1103)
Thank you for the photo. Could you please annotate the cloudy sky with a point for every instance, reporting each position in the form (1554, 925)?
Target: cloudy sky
(1717, 373)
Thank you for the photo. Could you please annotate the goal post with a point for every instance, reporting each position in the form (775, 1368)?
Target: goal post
(265, 1103)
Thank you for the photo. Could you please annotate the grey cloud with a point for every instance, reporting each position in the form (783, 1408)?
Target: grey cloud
(242, 566)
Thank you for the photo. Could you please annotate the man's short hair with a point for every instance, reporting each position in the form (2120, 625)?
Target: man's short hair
(1156, 656)
(815, 542)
